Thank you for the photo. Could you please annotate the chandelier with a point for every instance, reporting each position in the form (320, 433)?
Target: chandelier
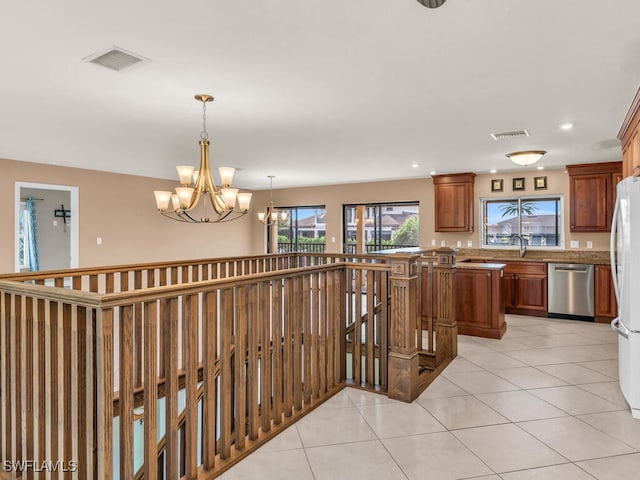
(271, 215)
(526, 158)
(198, 199)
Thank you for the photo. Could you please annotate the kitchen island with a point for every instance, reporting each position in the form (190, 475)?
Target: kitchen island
(479, 299)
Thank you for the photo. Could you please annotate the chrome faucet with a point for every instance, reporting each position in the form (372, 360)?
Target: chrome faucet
(523, 245)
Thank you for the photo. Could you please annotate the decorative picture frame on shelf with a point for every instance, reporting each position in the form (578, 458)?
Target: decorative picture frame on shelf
(518, 184)
(497, 185)
(540, 183)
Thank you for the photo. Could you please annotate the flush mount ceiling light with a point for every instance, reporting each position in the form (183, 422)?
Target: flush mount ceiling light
(432, 3)
(271, 214)
(527, 157)
(202, 201)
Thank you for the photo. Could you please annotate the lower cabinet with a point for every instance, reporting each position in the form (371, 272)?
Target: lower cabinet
(479, 305)
(524, 286)
(606, 307)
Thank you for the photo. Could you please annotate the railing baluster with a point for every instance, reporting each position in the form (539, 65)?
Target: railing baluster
(150, 390)
(126, 391)
(169, 314)
(240, 371)
(226, 406)
(307, 336)
(265, 359)
(357, 330)
(104, 403)
(328, 303)
(210, 347)
(253, 329)
(276, 315)
(190, 366)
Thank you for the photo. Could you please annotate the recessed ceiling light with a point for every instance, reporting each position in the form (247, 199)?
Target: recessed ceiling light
(432, 173)
(493, 171)
(415, 165)
(540, 167)
(566, 126)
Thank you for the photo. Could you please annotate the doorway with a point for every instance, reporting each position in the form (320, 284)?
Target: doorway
(46, 227)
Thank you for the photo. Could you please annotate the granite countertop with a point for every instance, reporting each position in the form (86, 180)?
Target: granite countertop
(561, 256)
(480, 266)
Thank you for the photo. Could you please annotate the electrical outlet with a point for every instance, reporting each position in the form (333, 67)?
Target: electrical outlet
(333, 239)
(459, 243)
(433, 242)
(469, 243)
(443, 243)
(99, 241)
(575, 244)
(589, 244)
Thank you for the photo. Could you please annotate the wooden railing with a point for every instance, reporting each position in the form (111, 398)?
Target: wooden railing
(247, 352)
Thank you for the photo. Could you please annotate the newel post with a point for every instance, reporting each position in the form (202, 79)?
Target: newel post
(404, 316)
(444, 322)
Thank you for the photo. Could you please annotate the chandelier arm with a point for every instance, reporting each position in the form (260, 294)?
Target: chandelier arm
(173, 217)
(234, 217)
(191, 219)
(213, 200)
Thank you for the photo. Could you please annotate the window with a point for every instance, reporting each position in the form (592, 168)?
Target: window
(537, 219)
(387, 225)
(303, 230)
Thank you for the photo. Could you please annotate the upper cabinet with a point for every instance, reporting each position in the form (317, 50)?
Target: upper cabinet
(454, 200)
(592, 194)
(629, 136)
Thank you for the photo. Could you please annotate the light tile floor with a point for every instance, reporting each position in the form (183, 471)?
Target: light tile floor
(541, 403)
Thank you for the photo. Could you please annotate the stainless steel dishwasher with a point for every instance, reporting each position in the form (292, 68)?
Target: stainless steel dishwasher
(570, 291)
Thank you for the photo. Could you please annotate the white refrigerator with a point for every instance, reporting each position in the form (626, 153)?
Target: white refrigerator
(625, 268)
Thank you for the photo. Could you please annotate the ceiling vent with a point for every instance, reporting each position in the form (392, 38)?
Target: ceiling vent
(512, 134)
(116, 59)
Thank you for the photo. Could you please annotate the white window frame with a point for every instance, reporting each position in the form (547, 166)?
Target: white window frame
(561, 230)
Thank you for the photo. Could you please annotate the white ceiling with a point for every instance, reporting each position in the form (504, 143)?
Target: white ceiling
(316, 92)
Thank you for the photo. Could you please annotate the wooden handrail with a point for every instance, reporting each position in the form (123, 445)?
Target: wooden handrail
(289, 325)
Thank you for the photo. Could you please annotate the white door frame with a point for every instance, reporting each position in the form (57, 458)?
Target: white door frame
(75, 219)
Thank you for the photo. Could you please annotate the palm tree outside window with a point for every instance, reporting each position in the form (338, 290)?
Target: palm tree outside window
(537, 219)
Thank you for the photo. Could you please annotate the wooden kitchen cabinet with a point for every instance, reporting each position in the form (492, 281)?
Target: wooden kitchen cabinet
(454, 202)
(524, 287)
(606, 307)
(592, 194)
(629, 136)
(479, 305)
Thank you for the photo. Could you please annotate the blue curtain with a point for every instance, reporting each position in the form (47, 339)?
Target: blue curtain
(31, 232)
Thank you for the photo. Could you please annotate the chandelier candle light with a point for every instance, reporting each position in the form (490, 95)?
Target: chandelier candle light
(218, 204)
(271, 215)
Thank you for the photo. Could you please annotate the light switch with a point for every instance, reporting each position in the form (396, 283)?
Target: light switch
(589, 244)
(469, 243)
(99, 241)
(459, 244)
(443, 243)
(575, 244)
(433, 242)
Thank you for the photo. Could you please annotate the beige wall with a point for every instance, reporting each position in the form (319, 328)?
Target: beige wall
(121, 210)
(334, 196)
(420, 190)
